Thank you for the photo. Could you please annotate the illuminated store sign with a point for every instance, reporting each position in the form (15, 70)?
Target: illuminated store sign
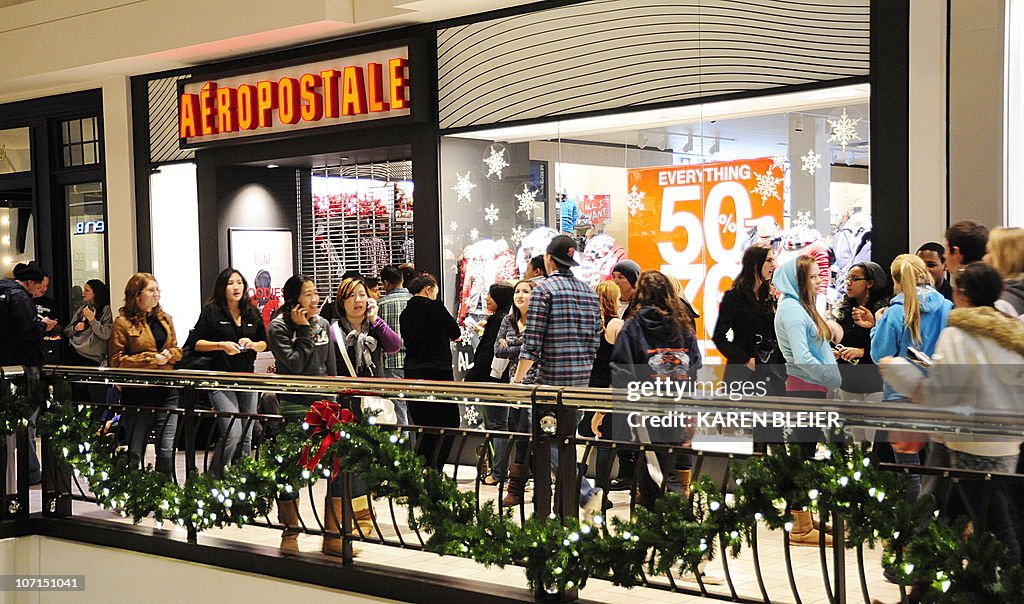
(357, 88)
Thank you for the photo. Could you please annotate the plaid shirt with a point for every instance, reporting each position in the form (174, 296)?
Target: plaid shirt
(390, 308)
(563, 325)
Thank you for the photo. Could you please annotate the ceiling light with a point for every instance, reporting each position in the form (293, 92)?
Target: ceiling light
(272, 166)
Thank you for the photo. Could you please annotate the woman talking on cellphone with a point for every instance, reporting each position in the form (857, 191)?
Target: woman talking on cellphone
(230, 331)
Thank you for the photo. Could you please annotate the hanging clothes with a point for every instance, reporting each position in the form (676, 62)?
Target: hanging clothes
(374, 255)
(483, 264)
(599, 256)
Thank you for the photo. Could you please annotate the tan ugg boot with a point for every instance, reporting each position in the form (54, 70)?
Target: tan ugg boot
(288, 515)
(684, 479)
(332, 524)
(804, 533)
(363, 517)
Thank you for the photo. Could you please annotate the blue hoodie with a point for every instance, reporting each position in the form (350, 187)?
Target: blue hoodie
(890, 337)
(808, 357)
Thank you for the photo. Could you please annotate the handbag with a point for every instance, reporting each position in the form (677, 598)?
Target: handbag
(383, 409)
(190, 359)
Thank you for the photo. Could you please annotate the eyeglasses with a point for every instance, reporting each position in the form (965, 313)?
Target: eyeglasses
(151, 290)
(855, 279)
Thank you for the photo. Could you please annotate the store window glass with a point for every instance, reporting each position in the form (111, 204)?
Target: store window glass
(80, 142)
(683, 190)
(86, 208)
(17, 229)
(360, 220)
(15, 151)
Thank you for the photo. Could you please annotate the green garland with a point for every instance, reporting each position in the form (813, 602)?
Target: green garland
(16, 406)
(561, 554)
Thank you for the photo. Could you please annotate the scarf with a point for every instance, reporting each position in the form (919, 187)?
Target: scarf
(363, 344)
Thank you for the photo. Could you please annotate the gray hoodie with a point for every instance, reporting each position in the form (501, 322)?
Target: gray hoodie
(301, 350)
(91, 343)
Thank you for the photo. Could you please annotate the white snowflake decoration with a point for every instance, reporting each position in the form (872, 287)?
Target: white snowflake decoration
(463, 188)
(472, 416)
(527, 200)
(466, 332)
(454, 226)
(803, 220)
(779, 161)
(491, 214)
(518, 234)
(844, 130)
(635, 200)
(767, 186)
(811, 162)
(495, 161)
(474, 234)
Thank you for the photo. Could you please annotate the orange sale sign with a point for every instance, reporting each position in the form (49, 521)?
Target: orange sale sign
(692, 222)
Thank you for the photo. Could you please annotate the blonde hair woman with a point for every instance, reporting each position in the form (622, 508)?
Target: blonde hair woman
(1005, 252)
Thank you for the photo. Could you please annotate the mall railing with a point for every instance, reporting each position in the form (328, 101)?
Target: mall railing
(555, 414)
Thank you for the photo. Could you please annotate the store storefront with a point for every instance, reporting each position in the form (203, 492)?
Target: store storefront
(304, 161)
(703, 131)
(52, 200)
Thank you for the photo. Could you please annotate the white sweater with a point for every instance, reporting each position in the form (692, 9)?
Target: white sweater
(978, 367)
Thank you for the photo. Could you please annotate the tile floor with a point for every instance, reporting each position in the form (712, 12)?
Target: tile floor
(805, 560)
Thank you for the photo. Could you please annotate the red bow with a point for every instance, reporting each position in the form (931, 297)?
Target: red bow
(325, 416)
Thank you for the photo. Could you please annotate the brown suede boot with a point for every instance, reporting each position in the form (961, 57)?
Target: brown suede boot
(332, 523)
(288, 515)
(363, 517)
(684, 479)
(517, 476)
(804, 533)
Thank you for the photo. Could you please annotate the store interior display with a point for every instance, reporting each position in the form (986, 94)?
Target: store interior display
(362, 220)
(683, 190)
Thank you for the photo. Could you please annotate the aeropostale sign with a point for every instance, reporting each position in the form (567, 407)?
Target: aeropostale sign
(355, 88)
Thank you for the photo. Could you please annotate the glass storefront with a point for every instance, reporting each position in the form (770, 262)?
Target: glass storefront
(683, 190)
(88, 235)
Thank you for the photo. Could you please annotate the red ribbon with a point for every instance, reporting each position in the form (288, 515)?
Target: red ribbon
(326, 417)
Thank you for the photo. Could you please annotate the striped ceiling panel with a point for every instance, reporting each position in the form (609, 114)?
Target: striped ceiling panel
(163, 121)
(608, 54)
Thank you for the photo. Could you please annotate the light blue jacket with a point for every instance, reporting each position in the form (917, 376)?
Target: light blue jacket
(890, 337)
(808, 357)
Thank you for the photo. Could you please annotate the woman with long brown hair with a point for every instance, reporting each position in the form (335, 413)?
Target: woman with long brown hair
(656, 342)
(142, 337)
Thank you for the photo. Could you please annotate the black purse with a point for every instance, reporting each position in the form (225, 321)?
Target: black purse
(190, 359)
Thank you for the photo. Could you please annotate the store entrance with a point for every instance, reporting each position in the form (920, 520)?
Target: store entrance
(327, 216)
(17, 227)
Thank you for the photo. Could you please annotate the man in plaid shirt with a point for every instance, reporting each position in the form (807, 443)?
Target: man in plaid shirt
(390, 308)
(563, 327)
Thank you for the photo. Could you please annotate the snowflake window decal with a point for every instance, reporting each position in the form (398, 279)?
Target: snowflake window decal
(474, 234)
(635, 200)
(767, 186)
(803, 220)
(518, 234)
(811, 162)
(779, 161)
(472, 416)
(843, 130)
(496, 161)
(491, 214)
(463, 188)
(526, 201)
(453, 225)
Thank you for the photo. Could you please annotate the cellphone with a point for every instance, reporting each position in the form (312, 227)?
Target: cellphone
(918, 357)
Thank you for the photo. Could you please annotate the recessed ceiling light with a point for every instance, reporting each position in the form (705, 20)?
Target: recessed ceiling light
(273, 166)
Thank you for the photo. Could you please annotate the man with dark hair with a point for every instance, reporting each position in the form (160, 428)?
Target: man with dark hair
(408, 272)
(390, 308)
(563, 325)
(625, 274)
(535, 269)
(965, 244)
(21, 327)
(934, 256)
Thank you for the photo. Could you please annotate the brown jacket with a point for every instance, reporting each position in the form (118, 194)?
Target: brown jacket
(133, 345)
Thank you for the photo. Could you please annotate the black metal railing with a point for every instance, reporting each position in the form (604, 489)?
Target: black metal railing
(551, 448)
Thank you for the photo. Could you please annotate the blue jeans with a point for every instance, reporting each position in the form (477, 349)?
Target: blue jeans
(911, 459)
(497, 418)
(587, 488)
(401, 406)
(136, 423)
(234, 431)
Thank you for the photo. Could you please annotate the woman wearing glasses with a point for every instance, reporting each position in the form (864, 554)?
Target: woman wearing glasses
(143, 338)
(867, 291)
